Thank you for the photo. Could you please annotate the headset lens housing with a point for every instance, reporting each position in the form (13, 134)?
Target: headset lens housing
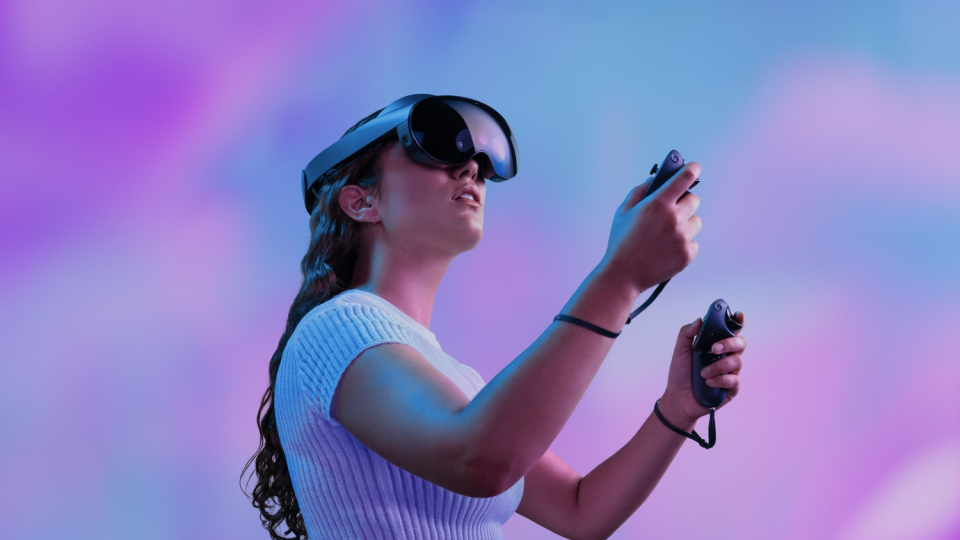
(451, 131)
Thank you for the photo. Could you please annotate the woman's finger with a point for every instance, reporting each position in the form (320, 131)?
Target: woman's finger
(732, 392)
(729, 381)
(730, 345)
(729, 364)
(694, 225)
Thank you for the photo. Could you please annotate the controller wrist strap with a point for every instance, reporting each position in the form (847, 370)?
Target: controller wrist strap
(693, 435)
(649, 301)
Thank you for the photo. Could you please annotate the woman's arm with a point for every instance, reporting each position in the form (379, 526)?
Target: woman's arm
(613, 491)
(396, 403)
(557, 498)
(599, 503)
(518, 414)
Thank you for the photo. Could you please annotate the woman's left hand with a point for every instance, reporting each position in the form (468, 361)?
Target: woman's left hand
(723, 373)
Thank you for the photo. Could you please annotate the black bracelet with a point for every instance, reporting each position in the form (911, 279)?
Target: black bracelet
(693, 435)
(586, 325)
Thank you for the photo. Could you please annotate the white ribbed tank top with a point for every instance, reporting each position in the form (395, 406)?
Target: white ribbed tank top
(345, 490)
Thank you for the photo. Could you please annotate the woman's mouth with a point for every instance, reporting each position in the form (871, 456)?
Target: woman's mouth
(467, 201)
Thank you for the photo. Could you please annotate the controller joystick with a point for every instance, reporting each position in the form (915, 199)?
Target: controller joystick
(671, 164)
(731, 322)
(718, 324)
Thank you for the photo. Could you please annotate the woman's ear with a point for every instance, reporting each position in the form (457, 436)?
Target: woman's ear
(357, 203)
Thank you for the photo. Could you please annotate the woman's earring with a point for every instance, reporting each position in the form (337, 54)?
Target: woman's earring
(368, 200)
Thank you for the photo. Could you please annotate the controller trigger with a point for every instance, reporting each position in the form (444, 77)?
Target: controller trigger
(654, 169)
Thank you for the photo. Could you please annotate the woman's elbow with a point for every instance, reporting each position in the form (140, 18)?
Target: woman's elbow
(489, 477)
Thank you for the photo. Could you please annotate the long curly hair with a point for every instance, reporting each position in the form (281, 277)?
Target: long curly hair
(327, 270)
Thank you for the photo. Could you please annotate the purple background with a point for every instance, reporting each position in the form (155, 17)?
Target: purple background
(151, 228)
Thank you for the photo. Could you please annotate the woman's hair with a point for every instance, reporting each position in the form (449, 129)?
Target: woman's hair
(327, 271)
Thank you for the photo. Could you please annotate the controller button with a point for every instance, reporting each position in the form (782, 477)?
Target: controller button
(654, 169)
(731, 321)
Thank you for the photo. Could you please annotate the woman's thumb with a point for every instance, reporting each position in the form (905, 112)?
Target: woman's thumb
(636, 194)
(687, 333)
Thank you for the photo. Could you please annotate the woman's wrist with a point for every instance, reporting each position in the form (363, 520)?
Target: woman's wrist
(607, 273)
(674, 414)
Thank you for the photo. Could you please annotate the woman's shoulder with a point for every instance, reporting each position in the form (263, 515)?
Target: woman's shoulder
(351, 314)
(324, 308)
(340, 311)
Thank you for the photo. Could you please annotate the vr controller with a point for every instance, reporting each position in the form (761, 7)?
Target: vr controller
(718, 324)
(671, 164)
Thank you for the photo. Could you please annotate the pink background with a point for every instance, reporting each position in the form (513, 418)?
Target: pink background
(151, 227)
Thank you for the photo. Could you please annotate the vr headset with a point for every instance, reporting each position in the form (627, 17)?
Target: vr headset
(436, 131)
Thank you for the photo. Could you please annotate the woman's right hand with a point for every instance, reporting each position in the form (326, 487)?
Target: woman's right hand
(652, 240)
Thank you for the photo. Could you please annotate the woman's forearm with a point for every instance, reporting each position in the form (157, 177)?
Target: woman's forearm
(613, 491)
(520, 412)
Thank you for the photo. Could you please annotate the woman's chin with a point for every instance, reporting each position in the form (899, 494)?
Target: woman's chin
(471, 240)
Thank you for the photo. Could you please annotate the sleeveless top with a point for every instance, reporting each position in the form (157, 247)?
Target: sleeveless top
(344, 489)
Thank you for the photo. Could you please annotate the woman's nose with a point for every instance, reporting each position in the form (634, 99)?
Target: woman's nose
(469, 169)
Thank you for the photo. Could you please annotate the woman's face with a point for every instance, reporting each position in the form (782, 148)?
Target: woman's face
(417, 207)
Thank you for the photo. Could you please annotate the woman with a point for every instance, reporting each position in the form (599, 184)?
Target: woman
(369, 430)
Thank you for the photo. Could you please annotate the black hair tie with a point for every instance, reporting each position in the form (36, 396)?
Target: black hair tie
(585, 324)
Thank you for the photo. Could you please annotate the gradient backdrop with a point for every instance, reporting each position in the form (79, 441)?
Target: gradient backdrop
(151, 229)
